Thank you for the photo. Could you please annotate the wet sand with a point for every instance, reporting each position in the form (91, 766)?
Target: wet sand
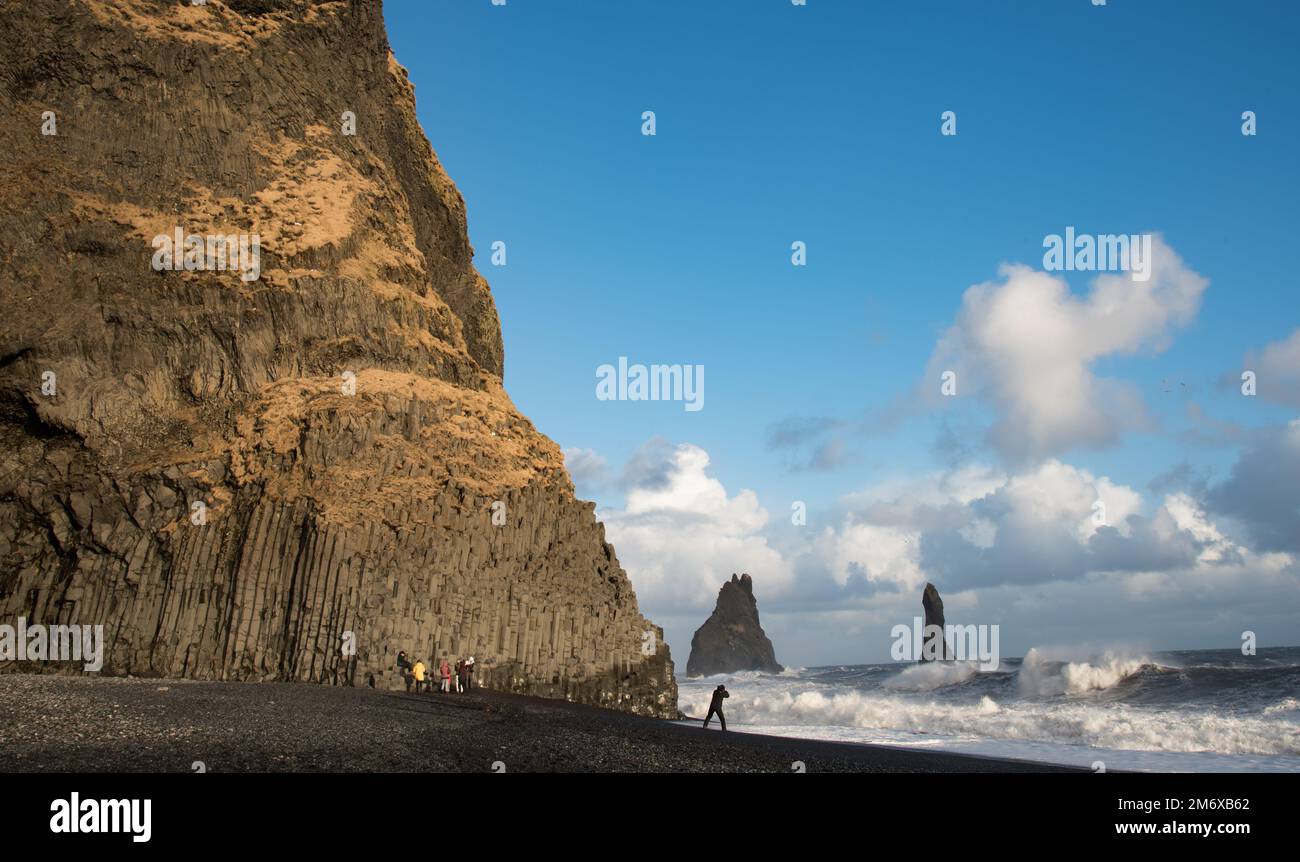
(92, 724)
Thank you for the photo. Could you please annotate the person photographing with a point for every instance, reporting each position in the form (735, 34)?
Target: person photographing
(715, 706)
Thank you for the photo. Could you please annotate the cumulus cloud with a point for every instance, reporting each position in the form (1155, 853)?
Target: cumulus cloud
(873, 552)
(977, 527)
(680, 534)
(1262, 493)
(1027, 345)
(1053, 547)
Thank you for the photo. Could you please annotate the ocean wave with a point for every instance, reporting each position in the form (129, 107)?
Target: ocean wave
(879, 717)
(1038, 676)
(748, 676)
(1288, 706)
(927, 676)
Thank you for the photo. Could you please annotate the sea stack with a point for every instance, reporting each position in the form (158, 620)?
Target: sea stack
(286, 464)
(731, 639)
(933, 606)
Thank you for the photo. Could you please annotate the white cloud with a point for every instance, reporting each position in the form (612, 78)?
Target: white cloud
(681, 535)
(1120, 502)
(1020, 547)
(1188, 516)
(1027, 345)
(979, 528)
(1055, 493)
(877, 553)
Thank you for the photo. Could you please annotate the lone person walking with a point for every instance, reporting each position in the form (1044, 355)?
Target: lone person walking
(715, 706)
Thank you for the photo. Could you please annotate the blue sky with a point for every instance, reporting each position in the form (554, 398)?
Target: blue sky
(821, 123)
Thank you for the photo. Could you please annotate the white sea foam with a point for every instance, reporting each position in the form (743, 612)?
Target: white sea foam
(1109, 726)
(1040, 677)
(1286, 707)
(922, 706)
(927, 676)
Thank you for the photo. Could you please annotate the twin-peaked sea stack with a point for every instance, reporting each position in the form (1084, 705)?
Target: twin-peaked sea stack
(731, 639)
(290, 476)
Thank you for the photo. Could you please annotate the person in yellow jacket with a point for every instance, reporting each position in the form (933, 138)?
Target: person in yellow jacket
(418, 672)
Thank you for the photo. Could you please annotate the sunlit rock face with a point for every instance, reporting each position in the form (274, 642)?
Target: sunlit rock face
(251, 412)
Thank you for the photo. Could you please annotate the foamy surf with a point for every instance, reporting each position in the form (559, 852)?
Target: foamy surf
(1041, 677)
(931, 675)
(1172, 712)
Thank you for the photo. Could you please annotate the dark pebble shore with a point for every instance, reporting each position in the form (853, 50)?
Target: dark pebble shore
(94, 724)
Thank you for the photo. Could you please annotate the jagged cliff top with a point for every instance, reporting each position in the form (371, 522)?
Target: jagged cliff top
(226, 118)
(732, 638)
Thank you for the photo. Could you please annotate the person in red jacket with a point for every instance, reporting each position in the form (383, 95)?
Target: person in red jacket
(444, 670)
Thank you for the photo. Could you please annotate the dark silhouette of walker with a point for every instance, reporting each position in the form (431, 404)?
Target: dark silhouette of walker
(715, 706)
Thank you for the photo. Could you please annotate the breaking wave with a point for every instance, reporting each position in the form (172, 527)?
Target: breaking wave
(1042, 677)
(1168, 711)
(931, 675)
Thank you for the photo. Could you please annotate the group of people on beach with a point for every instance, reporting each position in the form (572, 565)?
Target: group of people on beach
(458, 678)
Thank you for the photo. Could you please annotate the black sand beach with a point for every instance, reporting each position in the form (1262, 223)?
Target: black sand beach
(51, 723)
